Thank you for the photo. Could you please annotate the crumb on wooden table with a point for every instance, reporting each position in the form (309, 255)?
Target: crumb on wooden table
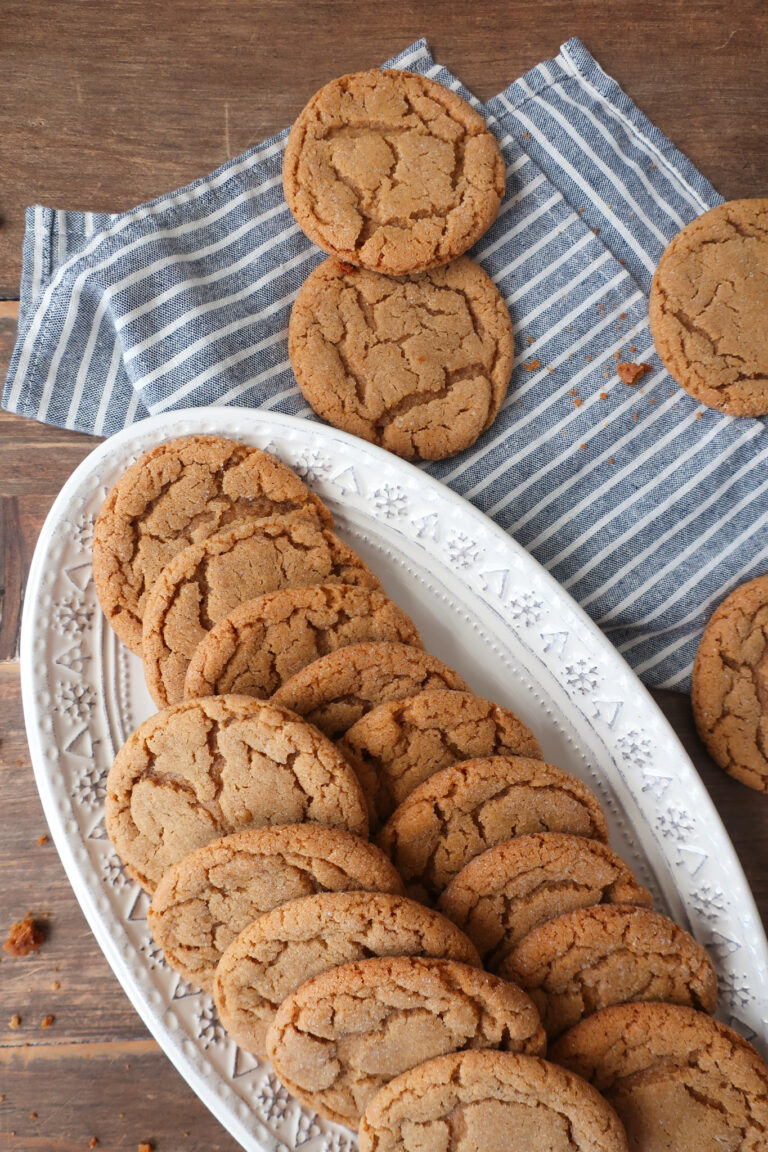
(15, 1021)
(42, 839)
(631, 373)
(47, 1021)
(94, 1140)
(23, 937)
(145, 1147)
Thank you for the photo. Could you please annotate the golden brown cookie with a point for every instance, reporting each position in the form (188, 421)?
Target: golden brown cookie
(271, 958)
(344, 1034)
(334, 691)
(207, 898)
(206, 768)
(392, 171)
(261, 644)
(609, 954)
(708, 308)
(398, 745)
(207, 580)
(678, 1079)
(177, 494)
(730, 684)
(417, 364)
(463, 810)
(502, 895)
(488, 1101)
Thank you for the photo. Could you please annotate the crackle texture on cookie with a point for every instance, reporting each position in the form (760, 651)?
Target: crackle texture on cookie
(336, 690)
(489, 1100)
(344, 1034)
(208, 897)
(398, 745)
(502, 895)
(178, 494)
(417, 364)
(708, 308)
(464, 810)
(271, 958)
(261, 644)
(392, 171)
(730, 684)
(206, 768)
(608, 954)
(677, 1078)
(207, 580)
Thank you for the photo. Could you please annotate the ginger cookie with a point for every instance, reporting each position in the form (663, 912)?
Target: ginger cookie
(346, 1033)
(677, 1079)
(464, 810)
(271, 958)
(708, 308)
(207, 898)
(490, 1100)
(205, 768)
(609, 954)
(502, 895)
(334, 691)
(398, 745)
(392, 171)
(730, 684)
(261, 644)
(207, 580)
(419, 364)
(177, 494)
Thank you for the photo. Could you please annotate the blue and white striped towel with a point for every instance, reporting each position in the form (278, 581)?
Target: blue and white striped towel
(645, 505)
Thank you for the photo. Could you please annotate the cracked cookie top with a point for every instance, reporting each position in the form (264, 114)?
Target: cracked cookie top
(262, 643)
(272, 957)
(392, 171)
(730, 684)
(608, 954)
(501, 895)
(177, 494)
(677, 1078)
(708, 308)
(418, 364)
(463, 810)
(207, 580)
(489, 1100)
(206, 768)
(399, 745)
(208, 897)
(344, 1034)
(336, 690)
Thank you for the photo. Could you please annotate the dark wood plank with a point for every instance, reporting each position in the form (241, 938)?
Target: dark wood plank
(106, 106)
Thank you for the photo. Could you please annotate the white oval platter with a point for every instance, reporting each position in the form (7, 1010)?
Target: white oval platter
(484, 606)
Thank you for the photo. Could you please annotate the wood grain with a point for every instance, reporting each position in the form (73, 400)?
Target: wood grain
(105, 106)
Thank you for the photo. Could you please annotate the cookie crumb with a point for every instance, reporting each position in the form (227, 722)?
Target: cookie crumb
(532, 365)
(15, 1021)
(622, 315)
(33, 1115)
(94, 1140)
(24, 937)
(610, 459)
(43, 839)
(603, 395)
(145, 1147)
(47, 1021)
(631, 373)
(577, 403)
(55, 986)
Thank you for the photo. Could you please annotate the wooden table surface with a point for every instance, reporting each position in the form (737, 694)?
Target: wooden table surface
(104, 106)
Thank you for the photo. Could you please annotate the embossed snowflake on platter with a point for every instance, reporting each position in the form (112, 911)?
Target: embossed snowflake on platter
(271, 1100)
(675, 824)
(525, 609)
(307, 1128)
(735, 988)
(635, 748)
(390, 501)
(210, 1030)
(154, 954)
(312, 466)
(709, 901)
(90, 787)
(114, 873)
(71, 616)
(82, 532)
(75, 700)
(463, 552)
(581, 677)
(339, 1143)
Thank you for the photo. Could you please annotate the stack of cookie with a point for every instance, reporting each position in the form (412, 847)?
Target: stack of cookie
(299, 713)
(398, 338)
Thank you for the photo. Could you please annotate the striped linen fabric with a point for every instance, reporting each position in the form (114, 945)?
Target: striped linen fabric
(645, 505)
